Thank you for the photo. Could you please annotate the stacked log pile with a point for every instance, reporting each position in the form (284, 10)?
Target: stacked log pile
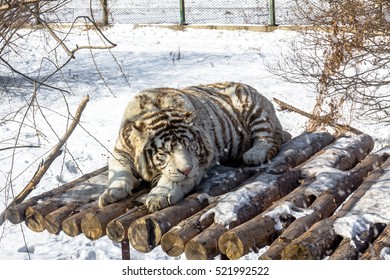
(289, 204)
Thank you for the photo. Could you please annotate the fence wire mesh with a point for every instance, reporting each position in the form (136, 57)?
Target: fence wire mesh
(169, 11)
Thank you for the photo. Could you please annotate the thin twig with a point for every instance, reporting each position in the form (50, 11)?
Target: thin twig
(19, 147)
(44, 166)
(337, 126)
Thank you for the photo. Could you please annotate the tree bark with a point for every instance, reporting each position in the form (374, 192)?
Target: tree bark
(146, 233)
(72, 226)
(301, 198)
(175, 240)
(35, 216)
(205, 245)
(53, 221)
(16, 214)
(353, 249)
(324, 205)
(374, 249)
(320, 238)
(278, 186)
(117, 230)
(94, 223)
(80, 194)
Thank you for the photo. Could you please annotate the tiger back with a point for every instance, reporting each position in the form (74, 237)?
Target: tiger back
(172, 137)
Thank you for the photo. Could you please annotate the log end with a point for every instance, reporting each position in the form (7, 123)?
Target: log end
(15, 215)
(172, 244)
(195, 251)
(52, 226)
(296, 251)
(91, 226)
(71, 227)
(144, 234)
(34, 220)
(231, 245)
(116, 231)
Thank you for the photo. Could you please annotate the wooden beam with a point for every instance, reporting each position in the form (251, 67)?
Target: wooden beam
(321, 237)
(146, 234)
(324, 206)
(374, 250)
(94, 223)
(244, 236)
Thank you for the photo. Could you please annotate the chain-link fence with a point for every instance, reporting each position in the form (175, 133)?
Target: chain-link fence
(263, 12)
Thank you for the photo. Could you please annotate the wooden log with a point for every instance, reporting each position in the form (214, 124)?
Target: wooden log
(342, 154)
(174, 241)
(324, 205)
(117, 230)
(35, 216)
(53, 221)
(277, 186)
(353, 249)
(321, 237)
(80, 194)
(293, 153)
(235, 243)
(205, 245)
(374, 250)
(245, 237)
(296, 151)
(72, 226)
(94, 224)
(16, 214)
(145, 233)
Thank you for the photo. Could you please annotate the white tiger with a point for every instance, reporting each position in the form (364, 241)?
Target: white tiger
(172, 137)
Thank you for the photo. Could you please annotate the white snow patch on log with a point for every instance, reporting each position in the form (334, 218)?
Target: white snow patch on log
(225, 211)
(326, 180)
(331, 155)
(288, 208)
(372, 208)
(385, 254)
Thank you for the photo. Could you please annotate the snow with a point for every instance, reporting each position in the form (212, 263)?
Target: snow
(369, 210)
(145, 57)
(225, 211)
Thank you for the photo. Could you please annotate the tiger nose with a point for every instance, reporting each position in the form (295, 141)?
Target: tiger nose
(186, 170)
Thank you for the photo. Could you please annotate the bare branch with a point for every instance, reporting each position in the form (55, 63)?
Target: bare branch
(44, 166)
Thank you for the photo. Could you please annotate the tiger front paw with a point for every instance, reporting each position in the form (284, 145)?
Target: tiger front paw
(115, 192)
(256, 155)
(161, 197)
(155, 202)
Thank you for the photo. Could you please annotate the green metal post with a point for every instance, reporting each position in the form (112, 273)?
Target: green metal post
(272, 18)
(182, 12)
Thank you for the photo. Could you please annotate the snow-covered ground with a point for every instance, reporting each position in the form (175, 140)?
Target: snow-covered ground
(143, 58)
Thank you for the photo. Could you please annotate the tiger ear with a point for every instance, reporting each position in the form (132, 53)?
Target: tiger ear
(190, 117)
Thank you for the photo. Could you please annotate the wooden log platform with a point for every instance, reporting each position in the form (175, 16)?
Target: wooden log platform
(288, 204)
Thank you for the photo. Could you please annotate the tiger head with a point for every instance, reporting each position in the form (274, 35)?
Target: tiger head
(168, 143)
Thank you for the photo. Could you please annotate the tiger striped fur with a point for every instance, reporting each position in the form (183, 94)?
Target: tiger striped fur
(173, 136)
